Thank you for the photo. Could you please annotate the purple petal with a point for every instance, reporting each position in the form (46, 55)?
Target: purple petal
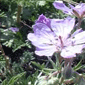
(71, 6)
(14, 29)
(43, 37)
(43, 19)
(42, 30)
(45, 52)
(60, 5)
(76, 32)
(40, 42)
(70, 51)
(40, 26)
(79, 38)
(80, 9)
(63, 27)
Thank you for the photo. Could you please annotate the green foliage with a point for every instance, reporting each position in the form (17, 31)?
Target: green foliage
(2, 64)
(61, 77)
(13, 40)
(31, 9)
(27, 57)
(79, 1)
(17, 72)
(41, 67)
(27, 81)
(52, 76)
(13, 79)
(78, 66)
(2, 14)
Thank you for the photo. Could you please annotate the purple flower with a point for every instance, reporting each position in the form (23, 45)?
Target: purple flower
(78, 11)
(57, 38)
(43, 19)
(14, 29)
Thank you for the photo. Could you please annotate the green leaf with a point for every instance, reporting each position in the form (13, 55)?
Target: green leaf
(49, 70)
(4, 82)
(78, 66)
(38, 65)
(70, 1)
(2, 14)
(8, 43)
(57, 55)
(6, 34)
(41, 3)
(18, 44)
(15, 78)
(53, 64)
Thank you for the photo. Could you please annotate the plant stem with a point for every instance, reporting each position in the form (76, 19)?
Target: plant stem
(68, 61)
(26, 24)
(53, 74)
(70, 81)
(6, 58)
(19, 13)
(79, 23)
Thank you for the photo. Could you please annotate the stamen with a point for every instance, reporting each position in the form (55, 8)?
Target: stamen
(61, 41)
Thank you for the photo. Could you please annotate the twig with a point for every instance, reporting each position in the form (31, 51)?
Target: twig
(53, 74)
(79, 22)
(19, 13)
(68, 81)
(26, 24)
(6, 58)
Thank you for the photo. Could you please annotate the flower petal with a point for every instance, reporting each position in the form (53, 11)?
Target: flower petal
(40, 27)
(76, 32)
(63, 27)
(42, 30)
(42, 37)
(44, 20)
(60, 5)
(71, 6)
(80, 9)
(45, 52)
(79, 38)
(71, 51)
(39, 41)
(14, 29)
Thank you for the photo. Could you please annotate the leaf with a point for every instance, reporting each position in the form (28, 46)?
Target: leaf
(53, 64)
(71, 2)
(2, 14)
(57, 61)
(6, 34)
(41, 3)
(4, 82)
(38, 65)
(15, 78)
(78, 66)
(19, 44)
(8, 43)
(48, 69)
